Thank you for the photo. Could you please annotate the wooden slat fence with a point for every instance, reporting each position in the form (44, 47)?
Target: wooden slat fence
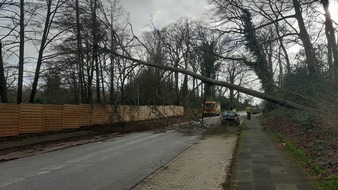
(35, 118)
(71, 116)
(86, 114)
(53, 118)
(31, 118)
(9, 119)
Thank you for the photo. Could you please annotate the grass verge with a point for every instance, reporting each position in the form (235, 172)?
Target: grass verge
(316, 173)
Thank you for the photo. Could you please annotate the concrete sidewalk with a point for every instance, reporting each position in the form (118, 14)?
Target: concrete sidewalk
(203, 166)
(261, 164)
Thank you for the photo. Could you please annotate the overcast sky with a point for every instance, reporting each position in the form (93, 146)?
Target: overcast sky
(162, 12)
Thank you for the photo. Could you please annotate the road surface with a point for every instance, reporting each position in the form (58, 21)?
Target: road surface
(117, 163)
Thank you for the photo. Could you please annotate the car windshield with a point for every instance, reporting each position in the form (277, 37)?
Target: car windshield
(229, 113)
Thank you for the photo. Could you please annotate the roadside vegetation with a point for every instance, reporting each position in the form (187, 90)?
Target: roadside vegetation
(311, 140)
(310, 136)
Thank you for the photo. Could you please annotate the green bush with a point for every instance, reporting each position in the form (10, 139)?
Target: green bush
(305, 119)
(332, 182)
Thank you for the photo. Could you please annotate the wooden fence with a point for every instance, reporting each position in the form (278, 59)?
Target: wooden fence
(36, 118)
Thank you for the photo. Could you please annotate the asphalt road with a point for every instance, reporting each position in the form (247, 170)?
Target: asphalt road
(117, 163)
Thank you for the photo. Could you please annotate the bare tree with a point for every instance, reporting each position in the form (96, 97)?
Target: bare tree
(234, 74)
(3, 83)
(273, 11)
(116, 21)
(156, 53)
(178, 41)
(50, 14)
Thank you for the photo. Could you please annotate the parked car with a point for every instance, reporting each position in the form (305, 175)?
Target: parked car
(230, 117)
(256, 110)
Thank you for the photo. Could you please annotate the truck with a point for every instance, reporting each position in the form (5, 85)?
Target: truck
(211, 108)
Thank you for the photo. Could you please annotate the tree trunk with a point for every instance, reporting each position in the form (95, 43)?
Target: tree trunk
(112, 80)
(231, 70)
(90, 72)
(21, 51)
(41, 51)
(254, 93)
(281, 73)
(79, 52)
(102, 81)
(98, 84)
(331, 41)
(261, 65)
(286, 55)
(95, 51)
(112, 56)
(311, 59)
(3, 83)
(177, 90)
(184, 89)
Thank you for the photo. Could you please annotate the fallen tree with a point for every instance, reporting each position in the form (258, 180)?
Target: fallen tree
(268, 97)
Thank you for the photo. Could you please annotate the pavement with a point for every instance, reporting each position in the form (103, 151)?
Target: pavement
(260, 163)
(255, 162)
(203, 166)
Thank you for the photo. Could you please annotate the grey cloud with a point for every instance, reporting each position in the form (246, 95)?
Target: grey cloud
(161, 12)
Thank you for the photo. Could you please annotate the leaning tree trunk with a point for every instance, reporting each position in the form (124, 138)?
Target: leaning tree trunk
(254, 93)
(311, 59)
(41, 51)
(261, 65)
